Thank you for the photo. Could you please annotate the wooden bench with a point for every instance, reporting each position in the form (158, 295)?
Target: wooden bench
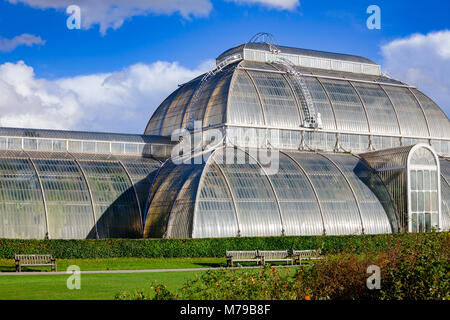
(34, 260)
(275, 256)
(242, 256)
(299, 255)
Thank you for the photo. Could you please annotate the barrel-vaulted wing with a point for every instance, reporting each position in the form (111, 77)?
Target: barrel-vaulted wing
(311, 194)
(74, 185)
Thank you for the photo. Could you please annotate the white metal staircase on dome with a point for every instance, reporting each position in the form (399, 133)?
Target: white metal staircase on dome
(311, 119)
(306, 101)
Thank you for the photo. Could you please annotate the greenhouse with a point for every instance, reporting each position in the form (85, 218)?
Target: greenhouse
(274, 141)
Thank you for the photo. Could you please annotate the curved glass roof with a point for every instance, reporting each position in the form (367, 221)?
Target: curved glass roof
(311, 194)
(261, 95)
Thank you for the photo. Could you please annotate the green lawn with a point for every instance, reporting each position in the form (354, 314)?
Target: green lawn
(93, 286)
(123, 264)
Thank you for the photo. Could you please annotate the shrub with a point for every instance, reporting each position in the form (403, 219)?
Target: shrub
(216, 247)
(413, 267)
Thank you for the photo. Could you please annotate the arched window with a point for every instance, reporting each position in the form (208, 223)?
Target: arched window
(423, 189)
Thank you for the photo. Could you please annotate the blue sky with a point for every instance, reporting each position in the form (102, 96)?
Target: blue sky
(59, 68)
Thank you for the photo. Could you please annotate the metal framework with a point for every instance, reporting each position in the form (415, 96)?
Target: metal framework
(269, 39)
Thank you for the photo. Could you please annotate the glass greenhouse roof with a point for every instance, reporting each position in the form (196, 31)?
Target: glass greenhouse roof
(358, 112)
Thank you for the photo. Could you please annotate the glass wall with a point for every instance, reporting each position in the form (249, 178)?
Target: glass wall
(424, 186)
(380, 112)
(69, 207)
(115, 204)
(22, 213)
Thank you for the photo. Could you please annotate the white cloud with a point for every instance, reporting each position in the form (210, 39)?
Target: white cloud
(112, 13)
(121, 101)
(422, 61)
(25, 39)
(276, 4)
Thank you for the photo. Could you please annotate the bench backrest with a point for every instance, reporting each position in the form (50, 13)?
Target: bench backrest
(273, 254)
(243, 254)
(33, 258)
(306, 253)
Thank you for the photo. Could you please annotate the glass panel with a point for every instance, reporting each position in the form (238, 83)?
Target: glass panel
(423, 156)
(380, 111)
(3, 143)
(45, 145)
(427, 201)
(279, 105)
(14, 143)
(168, 184)
(410, 115)
(217, 106)
(427, 222)
(426, 180)
(321, 102)
(75, 146)
(437, 120)
(131, 148)
(117, 148)
(338, 204)
(154, 125)
(199, 102)
(103, 147)
(59, 145)
(420, 201)
(215, 215)
(22, 212)
(181, 214)
(374, 217)
(419, 180)
(88, 146)
(30, 144)
(244, 106)
(421, 219)
(174, 117)
(114, 198)
(414, 222)
(299, 207)
(414, 201)
(257, 209)
(69, 208)
(445, 205)
(142, 172)
(413, 175)
(347, 106)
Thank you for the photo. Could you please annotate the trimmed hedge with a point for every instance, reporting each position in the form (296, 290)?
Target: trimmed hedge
(216, 247)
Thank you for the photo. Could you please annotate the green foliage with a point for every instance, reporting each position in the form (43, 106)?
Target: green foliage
(216, 247)
(413, 267)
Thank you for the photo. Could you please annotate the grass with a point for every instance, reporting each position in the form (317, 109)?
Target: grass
(100, 286)
(7, 265)
(93, 286)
